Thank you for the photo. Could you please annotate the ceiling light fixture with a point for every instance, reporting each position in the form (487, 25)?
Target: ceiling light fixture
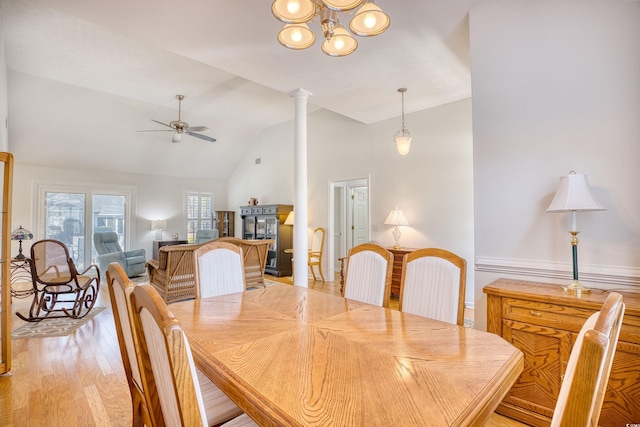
(368, 21)
(403, 137)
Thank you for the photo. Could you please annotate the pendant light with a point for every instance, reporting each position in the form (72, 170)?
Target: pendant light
(403, 137)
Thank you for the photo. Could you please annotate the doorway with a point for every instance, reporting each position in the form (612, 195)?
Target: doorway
(348, 218)
(72, 215)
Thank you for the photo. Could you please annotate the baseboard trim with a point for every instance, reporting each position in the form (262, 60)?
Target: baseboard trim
(606, 275)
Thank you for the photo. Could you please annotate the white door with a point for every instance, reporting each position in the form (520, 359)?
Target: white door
(360, 216)
(349, 218)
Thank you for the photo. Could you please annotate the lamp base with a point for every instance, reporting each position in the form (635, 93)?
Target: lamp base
(20, 257)
(396, 237)
(576, 287)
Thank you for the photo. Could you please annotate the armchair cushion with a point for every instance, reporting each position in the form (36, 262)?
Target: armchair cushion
(109, 250)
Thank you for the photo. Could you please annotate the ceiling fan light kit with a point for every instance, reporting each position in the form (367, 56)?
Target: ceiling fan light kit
(368, 21)
(179, 127)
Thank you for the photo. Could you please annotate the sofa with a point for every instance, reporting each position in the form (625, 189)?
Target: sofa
(109, 250)
(173, 273)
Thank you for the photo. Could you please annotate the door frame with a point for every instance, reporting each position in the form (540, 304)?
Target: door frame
(89, 190)
(344, 184)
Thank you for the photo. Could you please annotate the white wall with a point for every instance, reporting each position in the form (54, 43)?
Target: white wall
(432, 184)
(556, 87)
(155, 197)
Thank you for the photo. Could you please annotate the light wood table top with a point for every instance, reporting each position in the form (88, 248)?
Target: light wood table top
(291, 356)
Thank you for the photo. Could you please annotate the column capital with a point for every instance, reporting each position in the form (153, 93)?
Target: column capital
(300, 94)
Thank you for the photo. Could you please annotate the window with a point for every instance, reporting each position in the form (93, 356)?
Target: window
(72, 214)
(199, 213)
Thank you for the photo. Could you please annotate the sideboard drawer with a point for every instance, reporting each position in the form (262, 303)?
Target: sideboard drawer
(545, 314)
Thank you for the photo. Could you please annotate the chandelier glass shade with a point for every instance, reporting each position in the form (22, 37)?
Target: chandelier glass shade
(403, 137)
(368, 21)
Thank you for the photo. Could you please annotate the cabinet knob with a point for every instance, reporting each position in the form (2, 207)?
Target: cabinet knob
(535, 313)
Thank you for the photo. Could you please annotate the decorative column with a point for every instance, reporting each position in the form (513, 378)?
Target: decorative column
(300, 237)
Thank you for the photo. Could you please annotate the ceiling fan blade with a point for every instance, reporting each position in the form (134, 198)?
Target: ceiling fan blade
(163, 124)
(197, 135)
(198, 129)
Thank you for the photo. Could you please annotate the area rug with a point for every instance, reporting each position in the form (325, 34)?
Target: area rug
(59, 327)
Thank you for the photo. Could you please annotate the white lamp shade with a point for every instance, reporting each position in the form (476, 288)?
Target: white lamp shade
(177, 137)
(293, 11)
(290, 219)
(340, 44)
(296, 36)
(369, 21)
(342, 5)
(396, 217)
(403, 144)
(573, 194)
(158, 224)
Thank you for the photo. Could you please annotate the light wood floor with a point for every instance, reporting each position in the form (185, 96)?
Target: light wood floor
(78, 380)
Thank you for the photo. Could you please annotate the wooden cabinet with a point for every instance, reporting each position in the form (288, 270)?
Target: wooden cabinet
(6, 163)
(543, 321)
(396, 273)
(224, 222)
(267, 222)
(157, 244)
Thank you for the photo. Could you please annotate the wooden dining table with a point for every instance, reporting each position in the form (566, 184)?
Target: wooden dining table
(290, 356)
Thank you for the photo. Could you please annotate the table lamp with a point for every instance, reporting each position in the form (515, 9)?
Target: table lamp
(21, 234)
(158, 225)
(290, 219)
(396, 218)
(573, 195)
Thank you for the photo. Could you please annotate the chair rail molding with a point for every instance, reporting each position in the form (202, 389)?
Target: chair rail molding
(606, 275)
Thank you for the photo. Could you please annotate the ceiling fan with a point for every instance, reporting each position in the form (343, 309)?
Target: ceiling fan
(180, 127)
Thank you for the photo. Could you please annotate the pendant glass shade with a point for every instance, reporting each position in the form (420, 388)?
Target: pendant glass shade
(340, 44)
(403, 144)
(293, 11)
(342, 5)
(402, 137)
(177, 137)
(296, 36)
(369, 21)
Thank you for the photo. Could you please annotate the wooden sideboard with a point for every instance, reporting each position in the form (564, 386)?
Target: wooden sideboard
(396, 273)
(157, 244)
(543, 321)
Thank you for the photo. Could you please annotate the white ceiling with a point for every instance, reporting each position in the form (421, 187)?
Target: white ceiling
(84, 75)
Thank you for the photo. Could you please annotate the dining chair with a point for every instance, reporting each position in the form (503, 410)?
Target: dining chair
(316, 251)
(219, 269)
(433, 285)
(368, 275)
(120, 288)
(169, 375)
(587, 374)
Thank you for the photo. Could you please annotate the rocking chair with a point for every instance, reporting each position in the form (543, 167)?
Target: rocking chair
(60, 291)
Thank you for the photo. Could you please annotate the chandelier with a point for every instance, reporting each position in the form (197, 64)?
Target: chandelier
(368, 21)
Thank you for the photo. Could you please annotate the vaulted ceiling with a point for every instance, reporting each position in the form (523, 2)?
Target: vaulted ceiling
(85, 75)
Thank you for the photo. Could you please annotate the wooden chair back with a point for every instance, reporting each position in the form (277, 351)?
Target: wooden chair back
(433, 285)
(169, 375)
(254, 254)
(368, 274)
(120, 289)
(219, 269)
(585, 379)
(316, 251)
